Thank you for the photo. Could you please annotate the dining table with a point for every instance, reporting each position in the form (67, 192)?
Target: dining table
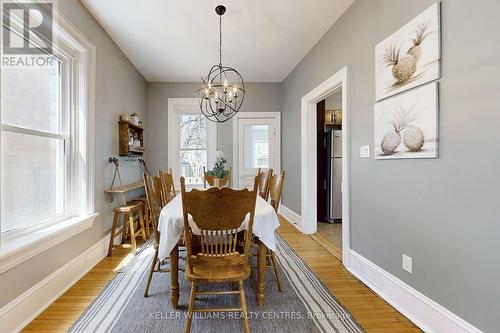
(171, 228)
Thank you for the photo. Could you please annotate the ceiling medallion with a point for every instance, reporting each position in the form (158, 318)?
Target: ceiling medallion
(223, 90)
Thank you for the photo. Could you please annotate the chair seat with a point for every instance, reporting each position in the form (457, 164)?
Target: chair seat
(210, 273)
(128, 208)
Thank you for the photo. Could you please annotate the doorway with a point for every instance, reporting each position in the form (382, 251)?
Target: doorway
(329, 172)
(256, 138)
(309, 220)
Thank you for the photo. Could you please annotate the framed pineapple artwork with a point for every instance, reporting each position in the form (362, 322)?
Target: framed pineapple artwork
(409, 57)
(406, 125)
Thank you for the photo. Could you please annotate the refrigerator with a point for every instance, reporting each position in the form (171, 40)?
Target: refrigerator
(334, 179)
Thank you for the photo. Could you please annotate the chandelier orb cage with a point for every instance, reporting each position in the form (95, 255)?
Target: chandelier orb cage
(223, 90)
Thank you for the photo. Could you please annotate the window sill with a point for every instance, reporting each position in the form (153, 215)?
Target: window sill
(16, 250)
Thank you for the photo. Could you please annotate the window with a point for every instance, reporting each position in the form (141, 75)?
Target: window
(46, 142)
(256, 146)
(34, 137)
(192, 140)
(192, 147)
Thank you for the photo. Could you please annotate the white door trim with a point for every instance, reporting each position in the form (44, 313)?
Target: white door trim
(308, 157)
(178, 105)
(255, 115)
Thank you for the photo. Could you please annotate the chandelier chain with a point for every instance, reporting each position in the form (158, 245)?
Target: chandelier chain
(220, 40)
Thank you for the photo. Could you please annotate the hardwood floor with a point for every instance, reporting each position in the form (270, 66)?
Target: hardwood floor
(59, 316)
(373, 313)
(332, 232)
(324, 236)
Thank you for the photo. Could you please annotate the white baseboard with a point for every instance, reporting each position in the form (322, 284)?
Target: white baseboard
(22, 310)
(421, 310)
(290, 215)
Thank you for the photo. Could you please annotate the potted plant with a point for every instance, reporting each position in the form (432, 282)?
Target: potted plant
(219, 172)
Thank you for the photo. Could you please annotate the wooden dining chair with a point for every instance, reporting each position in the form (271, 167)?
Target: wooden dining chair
(229, 177)
(264, 178)
(214, 255)
(208, 178)
(167, 186)
(153, 187)
(173, 183)
(275, 190)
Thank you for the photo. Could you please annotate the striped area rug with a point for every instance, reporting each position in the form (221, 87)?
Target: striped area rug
(304, 305)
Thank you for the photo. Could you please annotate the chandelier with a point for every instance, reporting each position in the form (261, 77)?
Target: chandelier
(223, 90)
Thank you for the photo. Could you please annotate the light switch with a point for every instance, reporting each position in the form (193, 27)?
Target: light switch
(407, 263)
(364, 151)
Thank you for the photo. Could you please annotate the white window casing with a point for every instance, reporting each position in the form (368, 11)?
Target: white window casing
(78, 97)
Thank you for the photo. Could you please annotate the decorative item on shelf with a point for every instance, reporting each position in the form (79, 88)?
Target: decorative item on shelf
(140, 123)
(219, 172)
(134, 119)
(130, 139)
(223, 90)
(124, 117)
(137, 142)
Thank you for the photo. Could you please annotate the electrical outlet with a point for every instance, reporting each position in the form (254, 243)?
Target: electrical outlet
(364, 151)
(408, 263)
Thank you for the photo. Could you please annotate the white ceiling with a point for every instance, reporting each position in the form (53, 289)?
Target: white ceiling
(177, 40)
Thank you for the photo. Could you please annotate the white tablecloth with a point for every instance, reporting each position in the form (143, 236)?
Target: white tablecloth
(171, 225)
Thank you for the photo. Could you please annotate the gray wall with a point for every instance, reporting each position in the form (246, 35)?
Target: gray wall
(334, 102)
(443, 212)
(120, 88)
(259, 97)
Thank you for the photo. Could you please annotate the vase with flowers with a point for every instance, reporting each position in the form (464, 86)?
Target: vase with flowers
(219, 172)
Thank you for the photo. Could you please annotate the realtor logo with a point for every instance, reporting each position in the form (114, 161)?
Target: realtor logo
(27, 28)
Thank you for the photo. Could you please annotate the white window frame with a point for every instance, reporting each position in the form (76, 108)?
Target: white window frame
(66, 113)
(21, 245)
(186, 106)
(237, 137)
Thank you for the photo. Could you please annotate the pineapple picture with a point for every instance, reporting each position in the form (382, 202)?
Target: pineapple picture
(409, 57)
(403, 67)
(421, 33)
(405, 126)
(413, 138)
(392, 139)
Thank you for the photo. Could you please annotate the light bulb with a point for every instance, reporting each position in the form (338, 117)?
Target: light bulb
(225, 83)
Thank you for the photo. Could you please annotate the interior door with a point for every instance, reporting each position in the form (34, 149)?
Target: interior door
(322, 164)
(257, 148)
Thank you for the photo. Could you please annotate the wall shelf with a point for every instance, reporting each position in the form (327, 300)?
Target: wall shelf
(125, 128)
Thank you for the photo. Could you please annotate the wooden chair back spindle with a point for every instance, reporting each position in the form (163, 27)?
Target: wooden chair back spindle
(153, 187)
(275, 189)
(167, 186)
(264, 178)
(207, 179)
(173, 184)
